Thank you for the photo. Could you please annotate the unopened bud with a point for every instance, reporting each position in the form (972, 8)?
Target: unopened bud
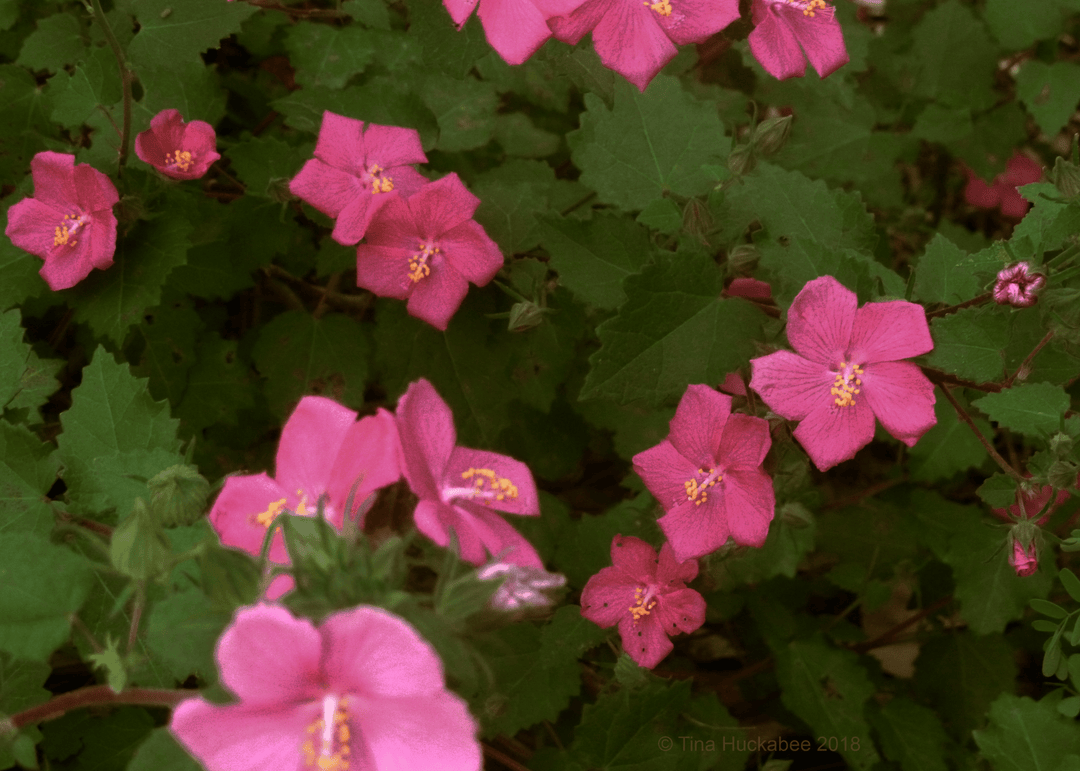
(1066, 178)
(771, 134)
(139, 548)
(178, 496)
(1061, 445)
(742, 160)
(1018, 286)
(524, 316)
(743, 258)
(697, 220)
(1024, 557)
(1062, 474)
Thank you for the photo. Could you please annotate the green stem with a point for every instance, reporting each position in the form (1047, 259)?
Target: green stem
(125, 82)
(95, 695)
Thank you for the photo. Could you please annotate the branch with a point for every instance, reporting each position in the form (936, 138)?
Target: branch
(885, 638)
(95, 695)
(937, 377)
(989, 447)
(502, 757)
(954, 308)
(1026, 363)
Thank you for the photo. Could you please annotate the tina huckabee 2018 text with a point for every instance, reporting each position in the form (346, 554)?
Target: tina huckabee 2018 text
(825, 744)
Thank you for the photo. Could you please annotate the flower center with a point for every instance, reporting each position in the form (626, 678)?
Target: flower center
(698, 491)
(418, 262)
(662, 7)
(847, 384)
(264, 518)
(643, 602)
(808, 7)
(326, 746)
(181, 160)
(64, 234)
(486, 486)
(379, 182)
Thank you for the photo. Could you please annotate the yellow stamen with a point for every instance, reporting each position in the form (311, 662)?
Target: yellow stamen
(847, 383)
(62, 234)
(498, 487)
(266, 517)
(181, 159)
(662, 7)
(418, 263)
(698, 492)
(642, 604)
(379, 183)
(333, 751)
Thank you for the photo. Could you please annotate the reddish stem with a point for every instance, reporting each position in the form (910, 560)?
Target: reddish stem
(954, 308)
(96, 695)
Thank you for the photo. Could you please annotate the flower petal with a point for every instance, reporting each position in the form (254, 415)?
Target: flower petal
(514, 28)
(774, 45)
(607, 597)
(102, 239)
(436, 520)
(901, 397)
(665, 471)
(699, 423)
(242, 737)
(325, 187)
(268, 657)
(95, 191)
(436, 298)
(427, 732)
(54, 180)
(471, 251)
(981, 194)
(31, 226)
(745, 443)
(233, 515)
(571, 28)
(371, 455)
(426, 427)
(355, 217)
(341, 143)
(441, 206)
(694, 21)
(790, 385)
(833, 434)
(460, 473)
(391, 146)
(673, 572)
(694, 531)
(820, 36)
(460, 10)
(644, 641)
(749, 505)
(820, 320)
(396, 226)
(630, 41)
(635, 558)
(499, 538)
(680, 612)
(384, 270)
(310, 443)
(889, 331)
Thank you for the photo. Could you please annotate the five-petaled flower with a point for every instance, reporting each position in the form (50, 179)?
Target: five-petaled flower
(847, 370)
(636, 38)
(355, 170)
(707, 475)
(459, 487)
(427, 249)
(782, 26)
(362, 690)
(177, 149)
(514, 28)
(646, 596)
(1002, 193)
(1018, 286)
(322, 453)
(69, 222)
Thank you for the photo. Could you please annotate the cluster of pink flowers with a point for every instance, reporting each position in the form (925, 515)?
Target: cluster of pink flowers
(421, 241)
(1001, 193)
(637, 39)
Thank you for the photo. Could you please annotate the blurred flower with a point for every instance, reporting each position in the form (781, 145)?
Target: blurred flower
(427, 249)
(459, 487)
(1033, 502)
(1001, 193)
(355, 170)
(69, 222)
(847, 370)
(646, 596)
(522, 587)
(750, 288)
(636, 39)
(323, 450)
(1017, 286)
(707, 475)
(362, 690)
(177, 149)
(782, 26)
(733, 384)
(514, 28)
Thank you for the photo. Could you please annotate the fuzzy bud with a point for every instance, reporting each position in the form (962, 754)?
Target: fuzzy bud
(743, 258)
(771, 134)
(697, 221)
(139, 548)
(524, 316)
(1061, 445)
(742, 160)
(178, 496)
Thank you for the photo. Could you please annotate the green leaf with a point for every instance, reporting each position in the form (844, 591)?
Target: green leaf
(1025, 734)
(781, 554)
(1048, 91)
(956, 58)
(648, 144)
(27, 471)
(370, 13)
(96, 81)
(112, 300)
(1047, 225)
(938, 123)
(260, 161)
(911, 735)
(181, 632)
(161, 752)
(171, 33)
(1018, 27)
(673, 329)
(947, 274)
(998, 491)
(997, 132)
(1048, 608)
(585, 547)
(188, 86)
(1070, 582)
(328, 56)
(663, 215)
(299, 354)
(24, 124)
(961, 674)
(464, 109)
(828, 688)
(512, 198)
(1032, 409)
(58, 40)
(103, 742)
(521, 138)
(113, 429)
(949, 447)
(169, 332)
(219, 385)
(970, 343)
(44, 584)
(446, 50)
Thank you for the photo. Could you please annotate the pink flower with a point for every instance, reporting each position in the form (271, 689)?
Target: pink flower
(635, 38)
(707, 475)
(514, 28)
(362, 690)
(323, 451)
(782, 26)
(459, 487)
(1025, 561)
(355, 170)
(1019, 170)
(733, 384)
(1034, 501)
(427, 249)
(647, 597)
(847, 370)
(522, 587)
(177, 149)
(69, 222)
(1018, 287)
(750, 288)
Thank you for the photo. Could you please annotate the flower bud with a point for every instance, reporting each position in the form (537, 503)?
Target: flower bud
(1025, 560)
(743, 258)
(1018, 286)
(1066, 178)
(1061, 445)
(524, 316)
(742, 160)
(771, 134)
(522, 586)
(178, 496)
(697, 221)
(1062, 474)
(139, 548)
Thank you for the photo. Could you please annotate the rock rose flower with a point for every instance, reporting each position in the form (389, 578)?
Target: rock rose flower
(1018, 286)
(459, 487)
(69, 222)
(177, 149)
(847, 370)
(323, 451)
(646, 596)
(427, 249)
(514, 28)
(707, 475)
(783, 26)
(1001, 193)
(362, 690)
(635, 38)
(354, 171)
